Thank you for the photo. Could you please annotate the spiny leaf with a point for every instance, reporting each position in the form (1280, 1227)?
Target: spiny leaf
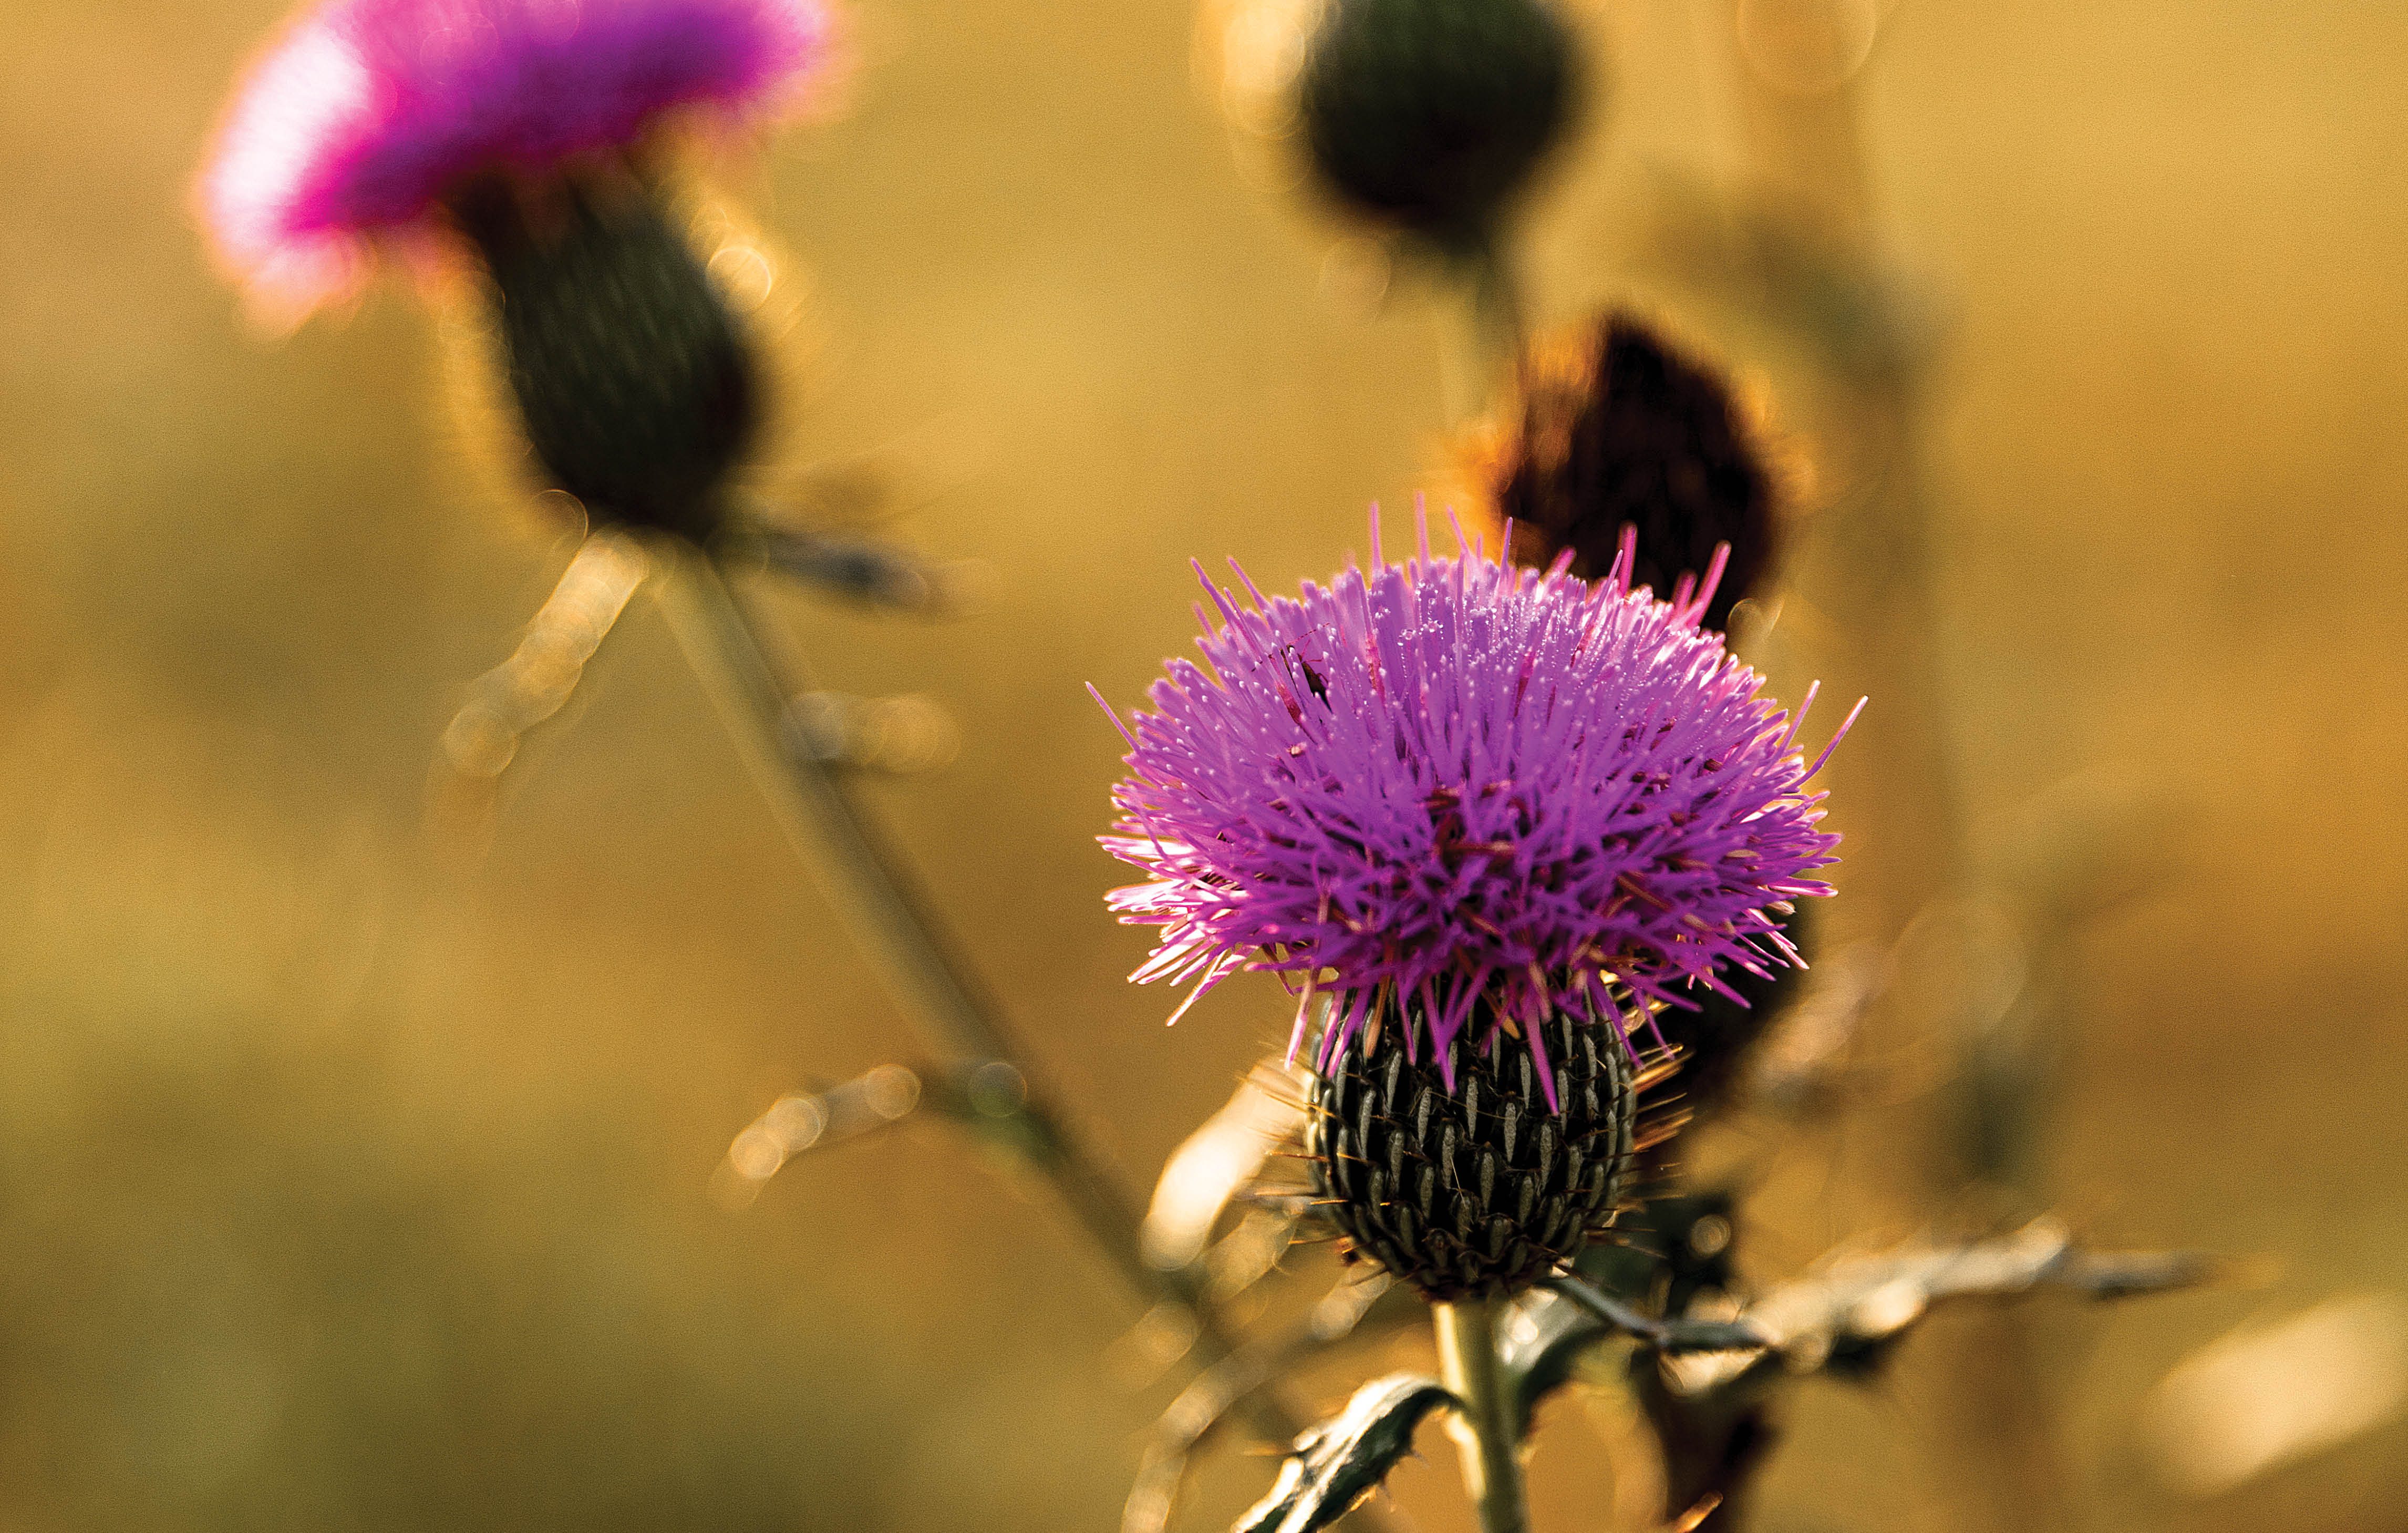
(1841, 1317)
(1666, 1335)
(1542, 1345)
(1555, 1326)
(872, 573)
(1357, 1308)
(1842, 1320)
(1343, 1459)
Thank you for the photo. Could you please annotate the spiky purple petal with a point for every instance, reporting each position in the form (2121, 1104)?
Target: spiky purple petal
(1448, 778)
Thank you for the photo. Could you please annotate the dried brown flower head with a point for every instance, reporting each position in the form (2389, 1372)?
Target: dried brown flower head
(1619, 427)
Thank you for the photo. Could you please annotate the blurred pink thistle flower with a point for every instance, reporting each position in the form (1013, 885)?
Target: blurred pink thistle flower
(1446, 780)
(367, 114)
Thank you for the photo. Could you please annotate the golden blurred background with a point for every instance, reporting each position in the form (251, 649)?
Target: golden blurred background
(354, 1173)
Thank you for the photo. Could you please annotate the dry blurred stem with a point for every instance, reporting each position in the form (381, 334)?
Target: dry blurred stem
(1217, 1162)
(2264, 1396)
(891, 921)
(1797, 67)
(535, 682)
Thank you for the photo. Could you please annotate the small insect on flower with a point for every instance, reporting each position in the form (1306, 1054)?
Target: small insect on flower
(1481, 813)
(515, 128)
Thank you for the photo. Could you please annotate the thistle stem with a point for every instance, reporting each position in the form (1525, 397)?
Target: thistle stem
(1487, 348)
(1499, 323)
(892, 921)
(1484, 1425)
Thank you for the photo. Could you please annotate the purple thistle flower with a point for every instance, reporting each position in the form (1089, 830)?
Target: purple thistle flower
(1447, 780)
(368, 113)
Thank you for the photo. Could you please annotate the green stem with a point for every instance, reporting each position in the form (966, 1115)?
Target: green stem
(1492, 1459)
(893, 924)
(1497, 318)
(1488, 346)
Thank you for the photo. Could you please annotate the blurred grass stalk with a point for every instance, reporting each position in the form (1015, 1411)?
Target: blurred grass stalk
(1797, 68)
(752, 684)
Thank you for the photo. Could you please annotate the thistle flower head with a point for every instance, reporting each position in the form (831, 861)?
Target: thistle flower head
(1467, 795)
(368, 113)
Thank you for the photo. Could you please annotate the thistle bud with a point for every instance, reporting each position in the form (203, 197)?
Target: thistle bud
(1456, 1173)
(366, 117)
(635, 385)
(1434, 113)
(412, 123)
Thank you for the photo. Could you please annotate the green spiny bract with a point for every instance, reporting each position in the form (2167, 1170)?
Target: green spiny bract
(636, 385)
(1481, 1189)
